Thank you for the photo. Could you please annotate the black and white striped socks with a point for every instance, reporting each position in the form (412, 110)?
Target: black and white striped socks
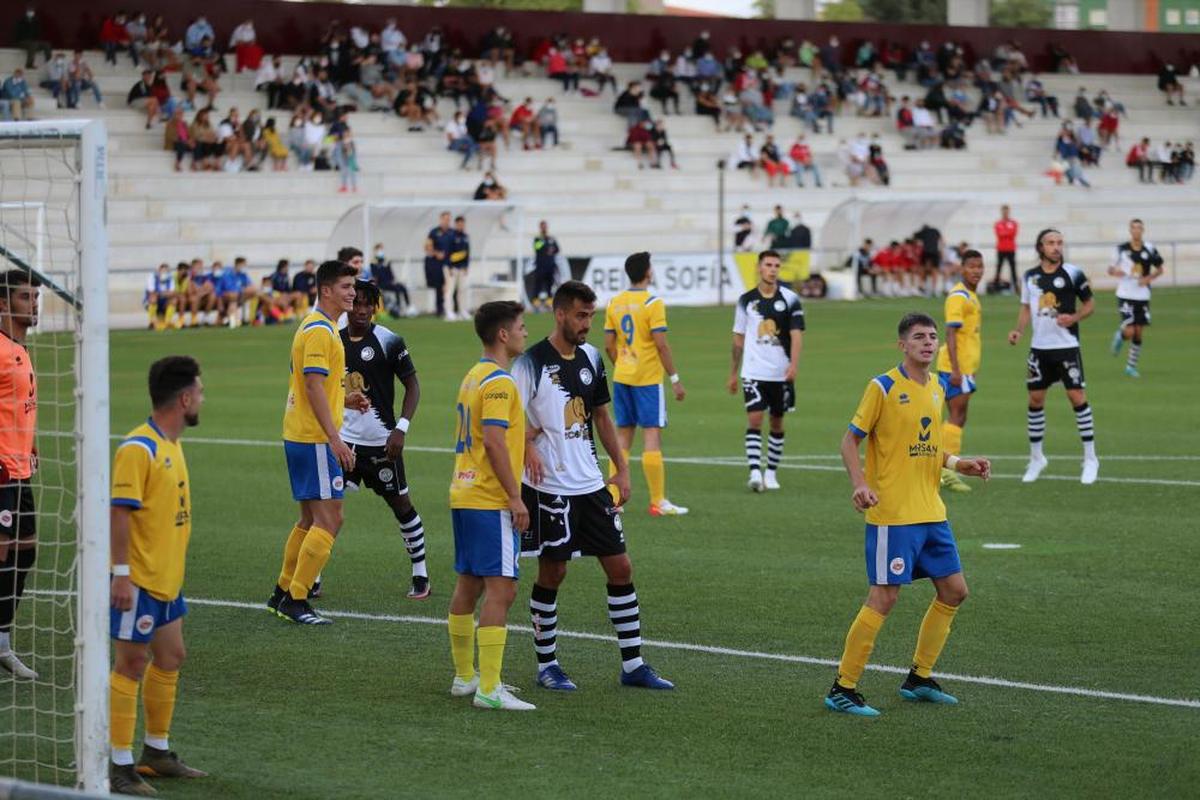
(1087, 429)
(754, 448)
(1135, 350)
(1035, 426)
(623, 612)
(543, 613)
(774, 450)
(413, 532)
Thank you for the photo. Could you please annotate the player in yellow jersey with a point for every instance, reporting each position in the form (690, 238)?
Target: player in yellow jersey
(151, 523)
(907, 535)
(316, 454)
(958, 359)
(486, 508)
(635, 338)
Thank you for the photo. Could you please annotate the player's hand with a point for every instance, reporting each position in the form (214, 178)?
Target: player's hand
(343, 454)
(358, 401)
(621, 481)
(1066, 320)
(732, 384)
(394, 447)
(679, 391)
(1014, 336)
(864, 498)
(122, 593)
(533, 464)
(520, 514)
(1144, 281)
(955, 378)
(790, 374)
(979, 467)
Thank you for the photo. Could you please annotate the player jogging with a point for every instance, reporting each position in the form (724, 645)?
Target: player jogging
(564, 389)
(907, 535)
(1055, 296)
(151, 522)
(768, 330)
(1138, 264)
(18, 455)
(316, 454)
(375, 358)
(486, 508)
(958, 358)
(635, 337)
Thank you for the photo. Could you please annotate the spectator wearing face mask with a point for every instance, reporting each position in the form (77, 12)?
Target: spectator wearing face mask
(27, 35)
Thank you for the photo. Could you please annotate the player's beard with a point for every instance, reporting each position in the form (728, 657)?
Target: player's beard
(192, 420)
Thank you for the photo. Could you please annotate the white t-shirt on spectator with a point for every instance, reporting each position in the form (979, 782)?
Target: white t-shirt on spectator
(456, 129)
(600, 64)
(360, 37)
(242, 34)
(266, 73)
(392, 38)
(922, 118)
(314, 132)
(486, 74)
(860, 149)
(224, 131)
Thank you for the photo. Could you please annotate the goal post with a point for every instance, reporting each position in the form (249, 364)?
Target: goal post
(53, 185)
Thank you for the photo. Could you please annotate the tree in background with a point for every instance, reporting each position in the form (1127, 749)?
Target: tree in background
(929, 12)
(1020, 14)
(843, 11)
(764, 9)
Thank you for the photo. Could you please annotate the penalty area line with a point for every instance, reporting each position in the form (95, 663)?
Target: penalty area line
(733, 652)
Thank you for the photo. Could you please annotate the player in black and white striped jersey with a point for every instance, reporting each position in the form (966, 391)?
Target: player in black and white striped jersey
(1138, 264)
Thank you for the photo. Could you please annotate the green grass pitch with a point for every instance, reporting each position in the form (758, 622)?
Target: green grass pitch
(1099, 596)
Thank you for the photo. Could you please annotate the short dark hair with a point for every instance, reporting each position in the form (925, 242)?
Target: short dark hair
(971, 254)
(769, 254)
(1138, 221)
(330, 272)
(14, 278)
(912, 319)
(491, 317)
(346, 253)
(570, 291)
(637, 266)
(365, 290)
(239, 260)
(169, 376)
(460, 218)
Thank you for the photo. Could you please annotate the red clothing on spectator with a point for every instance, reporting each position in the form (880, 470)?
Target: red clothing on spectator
(556, 64)
(522, 114)
(111, 32)
(904, 118)
(801, 154)
(885, 259)
(1006, 235)
(249, 56)
(1109, 122)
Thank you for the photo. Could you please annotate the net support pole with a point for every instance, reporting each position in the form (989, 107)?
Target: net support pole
(721, 232)
(91, 712)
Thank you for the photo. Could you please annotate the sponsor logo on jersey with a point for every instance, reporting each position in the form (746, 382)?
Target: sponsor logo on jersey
(904, 398)
(779, 305)
(367, 353)
(585, 375)
(574, 415)
(386, 475)
(767, 329)
(355, 382)
(465, 476)
(1047, 303)
(923, 448)
(1059, 283)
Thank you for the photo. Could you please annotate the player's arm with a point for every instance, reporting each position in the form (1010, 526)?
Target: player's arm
(797, 337)
(952, 352)
(394, 447)
(668, 362)
(607, 432)
(739, 345)
(863, 498)
(496, 449)
(1016, 333)
(979, 467)
(1156, 273)
(122, 587)
(610, 346)
(314, 390)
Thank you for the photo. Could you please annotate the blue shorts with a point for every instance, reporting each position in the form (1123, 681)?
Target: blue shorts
(900, 554)
(952, 391)
(314, 472)
(643, 406)
(144, 617)
(485, 544)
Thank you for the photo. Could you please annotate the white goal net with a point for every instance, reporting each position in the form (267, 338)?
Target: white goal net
(53, 726)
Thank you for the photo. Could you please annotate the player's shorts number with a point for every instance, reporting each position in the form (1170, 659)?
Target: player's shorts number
(464, 429)
(627, 328)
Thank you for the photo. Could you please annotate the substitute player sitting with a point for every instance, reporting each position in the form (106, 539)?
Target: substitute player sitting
(907, 534)
(958, 359)
(375, 359)
(486, 508)
(635, 338)
(312, 443)
(151, 523)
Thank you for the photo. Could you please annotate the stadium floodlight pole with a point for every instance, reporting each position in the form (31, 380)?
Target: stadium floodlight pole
(720, 231)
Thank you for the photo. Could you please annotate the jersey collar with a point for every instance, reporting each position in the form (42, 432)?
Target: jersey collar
(486, 360)
(321, 311)
(154, 427)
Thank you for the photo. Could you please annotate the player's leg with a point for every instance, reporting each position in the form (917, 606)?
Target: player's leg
(1086, 426)
(860, 641)
(543, 612)
(957, 398)
(651, 410)
(317, 546)
(291, 553)
(1136, 330)
(625, 615)
(774, 448)
(317, 484)
(756, 404)
(159, 688)
(939, 560)
(152, 309)
(1040, 377)
(18, 553)
(467, 591)
(412, 530)
(447, 293)
(130, 658)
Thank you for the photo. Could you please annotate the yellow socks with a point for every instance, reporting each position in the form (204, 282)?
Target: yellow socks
(952, 439)
(656, 475)
(314, 553)
(462, 645)
(491, 656)
(122, 711)
(612, 470)
(291, 553)
(935, 629)
(158, 700)
(860, 641)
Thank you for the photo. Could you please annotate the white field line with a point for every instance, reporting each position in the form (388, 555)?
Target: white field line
(738, 461)
(752, 654)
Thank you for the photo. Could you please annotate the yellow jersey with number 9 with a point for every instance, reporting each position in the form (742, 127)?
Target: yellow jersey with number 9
(487, 397)
(316, 349)
(634, 316)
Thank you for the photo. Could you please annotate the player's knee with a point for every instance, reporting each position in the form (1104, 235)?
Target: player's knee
(131, 664)
(171, 659)
(551, 574)
(954, 595)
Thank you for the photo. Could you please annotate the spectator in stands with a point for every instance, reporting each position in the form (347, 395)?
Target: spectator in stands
(924, 129)
(322, 93)
(776, 233)
(1162, 156)
(743, 230)
(269, 78)
(953, 136)
(392, 43)
(113, 36)
(458, 138)
(206, 148)
(197, 32)
(275, 148)
(16, 101)
(991, 111)
(662, 144)
(490, 188)
(177, 138)
(860, 262)
(1089, 143)
(137, 32)
(877, 161)
(707, 103)
(141, 97)
(1186, 166)
(199, 75)
(235, 150)
(547, 122)
(771, 160)
(822, 99)
(854, 161)
(372, 91)
(415, 104)
(498, 45)
(1066, 148)
(244, 43)
(754, 104)
(28, 36)
(1168, 84)
(1083, 106)
(1140, 157)
(486, 140)
(524, 120)
(801, 158)
(664, 90)
(600, 67)
(630, 104)
(54, 79)
(385, 279)
(1035, 92)
(744, 155)
(345, 158)
(640, 139)
(561, 68)
(80, 78)
(904, 123)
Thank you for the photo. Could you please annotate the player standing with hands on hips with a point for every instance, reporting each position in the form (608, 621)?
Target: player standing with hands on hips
(1055, 296)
